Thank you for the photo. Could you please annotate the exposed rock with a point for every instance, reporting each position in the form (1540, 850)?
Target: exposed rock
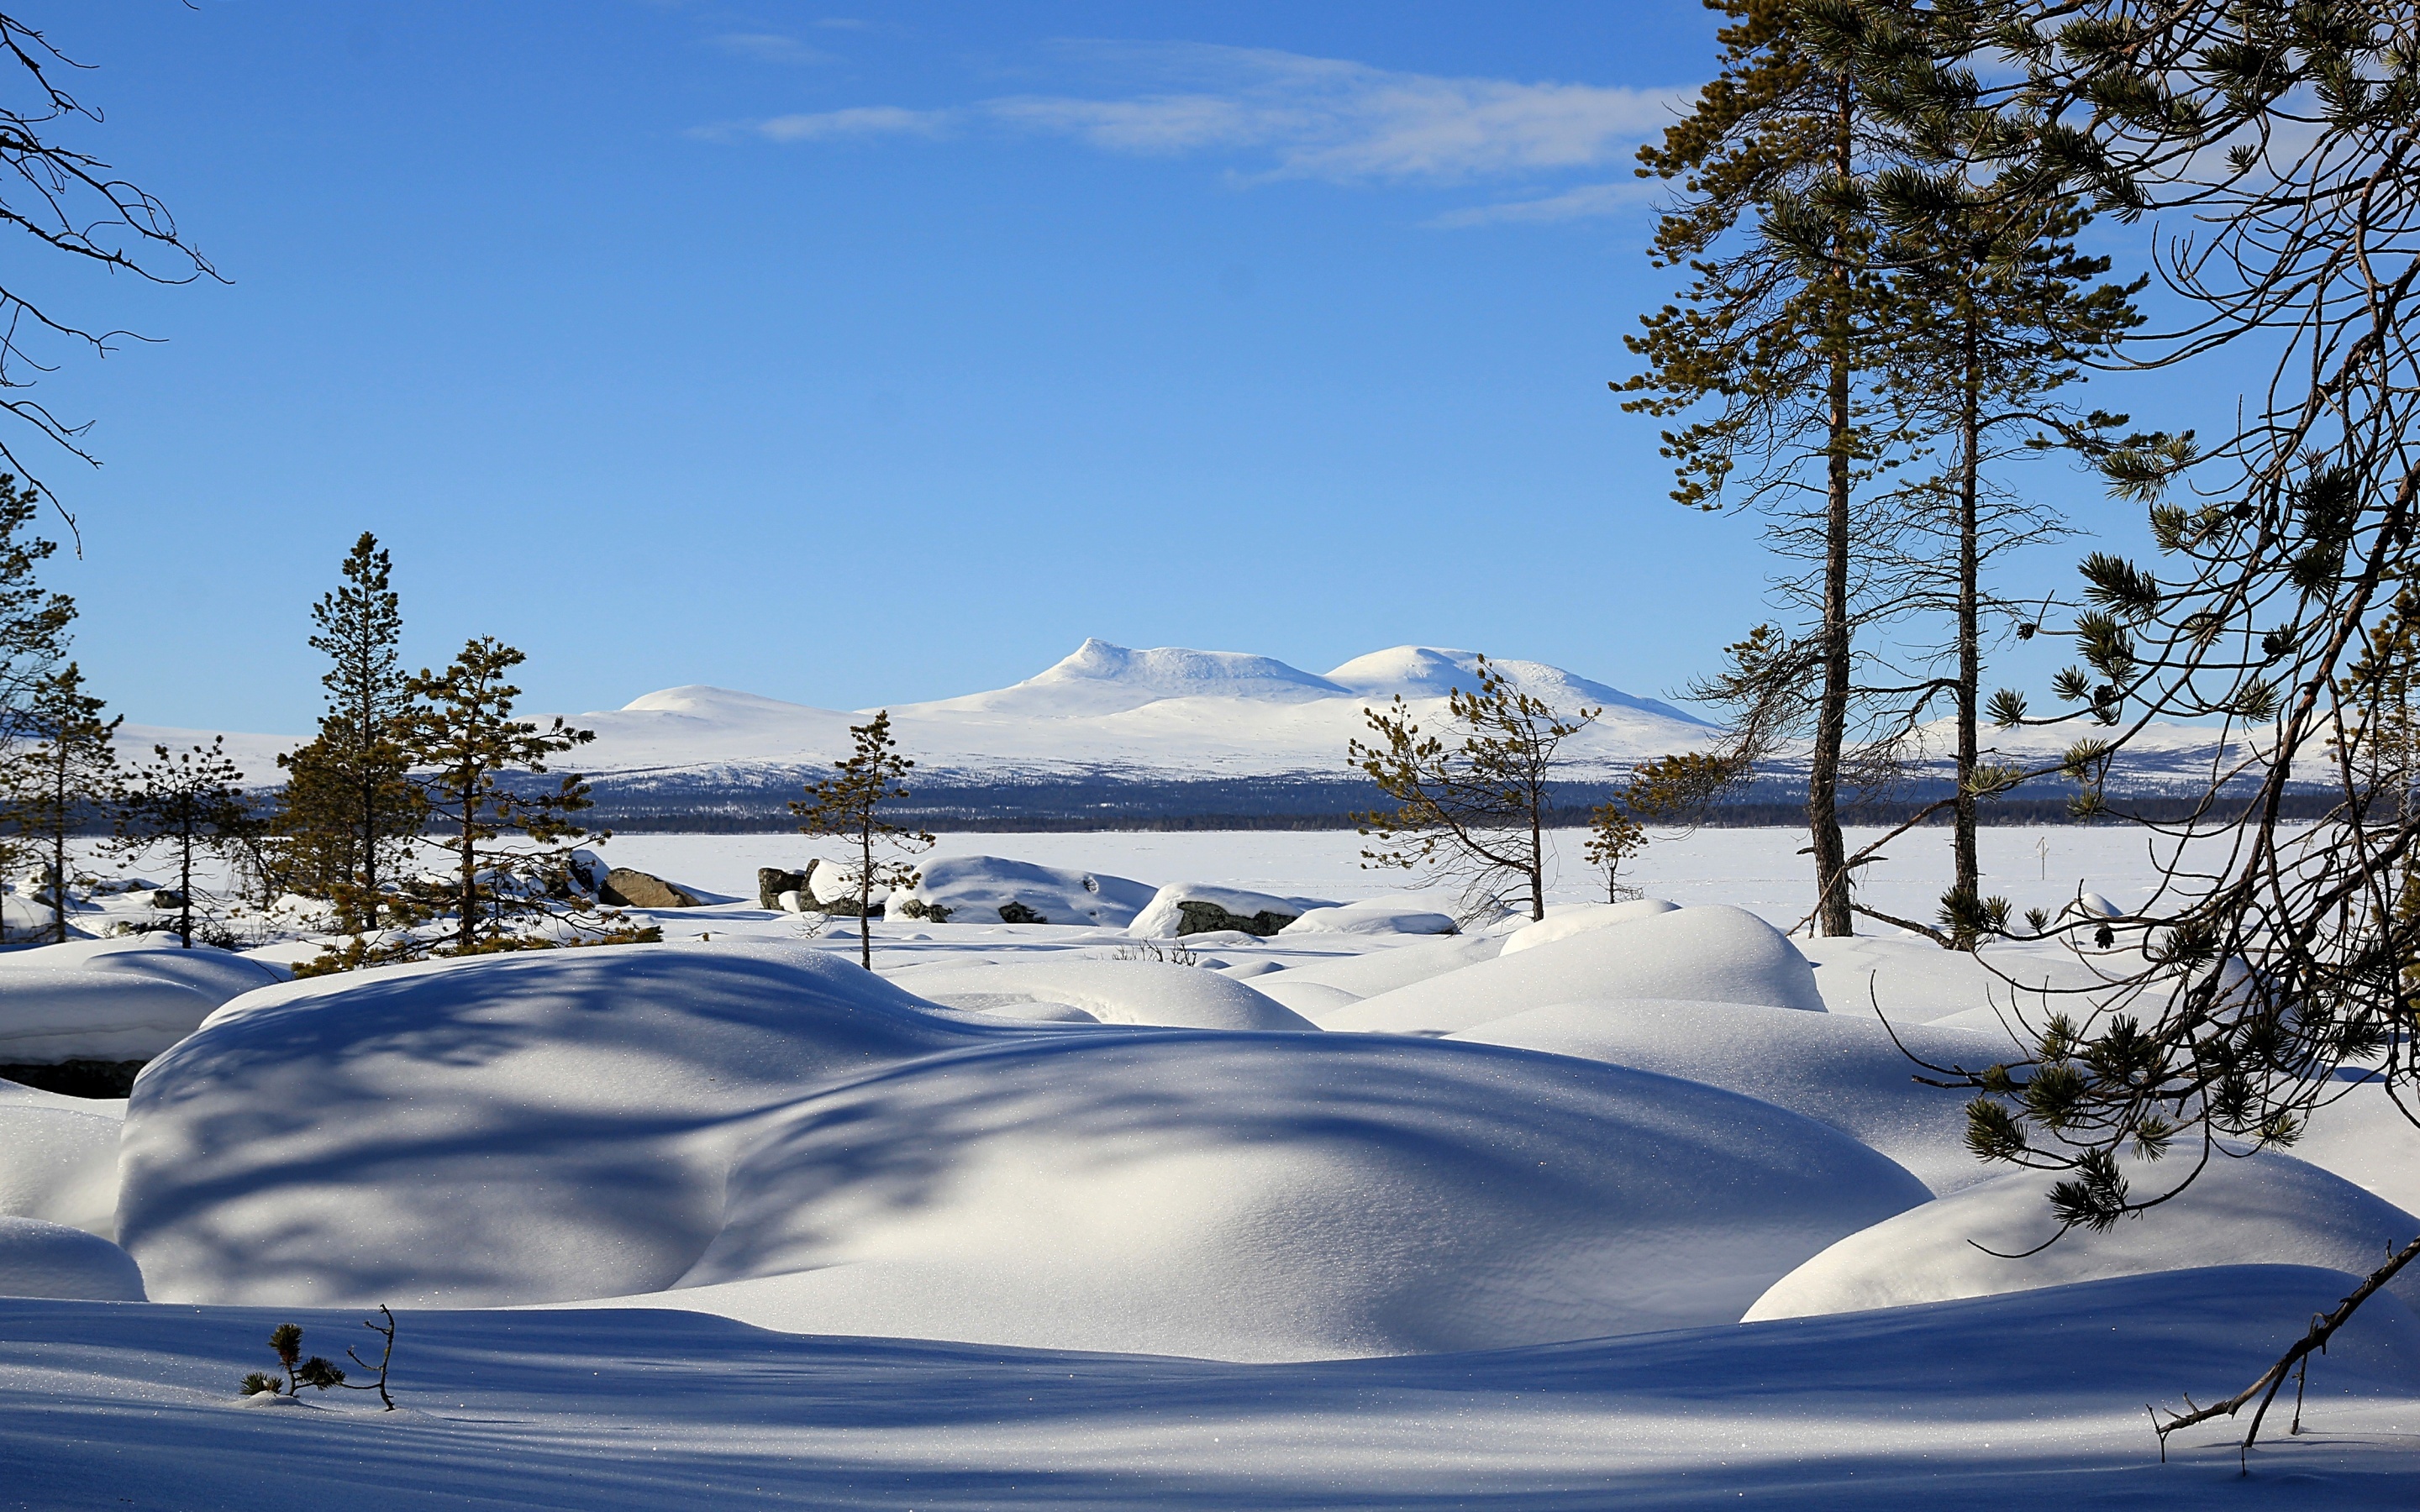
(627, 887)
(772, 882)
(915, 908)
(1013, 912)
(1202, 919)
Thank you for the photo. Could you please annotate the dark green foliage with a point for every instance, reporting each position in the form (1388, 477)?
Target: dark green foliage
(847, 804)
(461, 735)
(317, 1371)
(350, 814)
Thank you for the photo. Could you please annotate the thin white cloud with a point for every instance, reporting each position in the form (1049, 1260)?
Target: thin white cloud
(859, 121)
(1309, 117)
(769, 47)
(1585, 202)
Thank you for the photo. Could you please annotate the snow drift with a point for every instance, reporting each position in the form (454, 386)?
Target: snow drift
(2264, 1209)
(1274, 1196)
(44, 1260)
(1712, 954)
(1109, 991)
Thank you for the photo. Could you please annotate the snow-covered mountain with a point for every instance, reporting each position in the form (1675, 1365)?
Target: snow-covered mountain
(1167, 712)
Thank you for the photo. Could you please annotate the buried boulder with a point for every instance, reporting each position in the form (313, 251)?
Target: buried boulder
(629, 887)
(1273, 1197)
(772, 882)
(970, 889)
(1198, 908)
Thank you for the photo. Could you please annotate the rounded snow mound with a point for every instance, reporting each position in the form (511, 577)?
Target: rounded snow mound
(1379, 916)
(2263, 1209)
(50, 1014)
(1383, 971)
(59, 1165)
(1837, 1070)
(1111, 992)
(1576, 918)
(43, 1259)
(1273, 1197)
(1711, 954)
(497, 1130)
(217, 975)
(990, 890)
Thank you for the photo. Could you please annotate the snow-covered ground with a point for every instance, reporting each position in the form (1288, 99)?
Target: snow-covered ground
(1640, 1206)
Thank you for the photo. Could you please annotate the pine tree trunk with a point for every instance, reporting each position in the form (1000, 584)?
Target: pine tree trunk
(865, 891)
(1536, 857)
(185, 880)
(59, 837)
(1832, 909)
(470, 871)
(1970, 659)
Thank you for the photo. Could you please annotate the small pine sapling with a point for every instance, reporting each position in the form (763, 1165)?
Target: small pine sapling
(287, 1339)
(1614, 838)
(846, 806)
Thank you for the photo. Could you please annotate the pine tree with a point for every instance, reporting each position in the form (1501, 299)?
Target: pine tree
(191, 799)
(70, 776)
(1471, 807)
(462, 736)
(847, 804)
(1776, 333)
(1614, 839)
(350, 814)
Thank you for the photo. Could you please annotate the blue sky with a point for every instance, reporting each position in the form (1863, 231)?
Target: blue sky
(884, 354)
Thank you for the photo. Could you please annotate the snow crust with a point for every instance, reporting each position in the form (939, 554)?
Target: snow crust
(48, 1260)
(1274, 1196)
(2262, 1209)
(1714, 954)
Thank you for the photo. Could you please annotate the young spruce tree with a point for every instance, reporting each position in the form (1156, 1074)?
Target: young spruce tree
(350, 814)
(847, 804)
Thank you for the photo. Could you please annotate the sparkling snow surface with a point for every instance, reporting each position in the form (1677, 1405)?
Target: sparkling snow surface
(1070, 1215)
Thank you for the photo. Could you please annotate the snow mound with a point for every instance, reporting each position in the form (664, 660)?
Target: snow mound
(217, 975)
(506, 1129)
(59, 1165)
(1714, 954)
(43, 1259)
(972, 889)
(2264, 1209)
(2364, 1137)
(52, 1014)
(1562, 923)
(1379, 916)
(1913, 980)
(1163, 918)
(1837, 1070)
(1309, 999)
(1111, 992)
(1272, 1197)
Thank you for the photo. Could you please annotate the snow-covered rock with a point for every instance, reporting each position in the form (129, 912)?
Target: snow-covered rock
(1835, 1069)
(2264, 1209)
(1377, 915)
(1712, 954)
(1111, 992)
(1268, 1197)
(59, 1163)
(504, 1129)
(50, 1014)
(1562, 923)
(47, 1260)
(1383, 971)
(986, 890)
(1164, 917)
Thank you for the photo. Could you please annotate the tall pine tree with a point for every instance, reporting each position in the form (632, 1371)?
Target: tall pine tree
(1775, 334)
(350, 814)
